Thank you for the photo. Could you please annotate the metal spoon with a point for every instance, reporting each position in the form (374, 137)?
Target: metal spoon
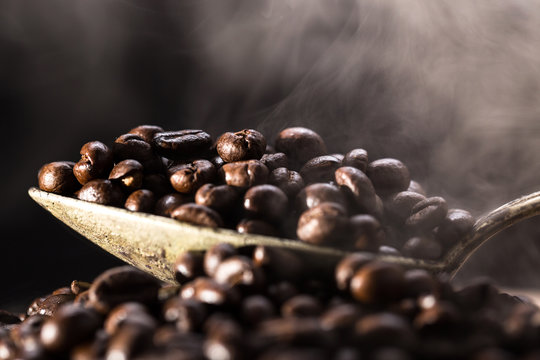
(152, 243)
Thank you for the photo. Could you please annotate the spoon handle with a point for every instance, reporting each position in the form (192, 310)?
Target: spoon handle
(489, 225)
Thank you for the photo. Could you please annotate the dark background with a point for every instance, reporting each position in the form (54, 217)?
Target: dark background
(450, 88)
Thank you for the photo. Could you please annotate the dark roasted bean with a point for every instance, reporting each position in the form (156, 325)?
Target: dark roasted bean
(128, 341)
(197, 215)
(70, 325)
(141, 200)
(208, 291)
(427, 213)
(441, 317)
(146, 132)
(315, 194)
(49, 305)
(275, 161)
(120, 314)
(300, 145)
(341, 317)
(281, 291)
(238, 270)
(301, 306)
(419, 282)
(388, 176)
(221, 198)
(183, 144)
(422, 247)
(103, 192)
(289, 181)
(188, 178)
(158, 184)
(78, 287)
(188, 266)
(378, 283)
(254, 226)
(242, 145)
(320, 169)
(166, 204)
(224, 340)
(367, 233)
(348, 266)
(292, 330)
(400, 206)
(57, 177)
(384, 329)
(96, 161)
(326, 223)
(279, 263)
(129, 174)
(244, 174)
(357, 158)
(257, 308)
(455, 227)
(91, 350)
(358, 185)
(215, 255)
(122, 284)
(131, 146)
(266, 202)
(187, 314)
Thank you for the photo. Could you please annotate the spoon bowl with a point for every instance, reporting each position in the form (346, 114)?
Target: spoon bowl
(152, 243)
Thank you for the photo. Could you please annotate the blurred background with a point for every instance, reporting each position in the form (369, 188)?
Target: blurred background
(451, 87)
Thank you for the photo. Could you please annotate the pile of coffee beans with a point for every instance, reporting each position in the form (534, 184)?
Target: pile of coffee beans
(264, 303)
(293, 189)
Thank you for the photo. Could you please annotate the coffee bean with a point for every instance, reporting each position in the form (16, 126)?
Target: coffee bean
(146, 132)
(400, 206)
(221, 198)
(238, 270)
(427, 213)
(315, 194)
(208, 291)
(279, 263)
(158, 184)
(48, 305)
(57, 177)
(388, 176)
(103, 192)
(289, 181)
(129, 341)
(275, 161)
(122, 284)
(141, 200)
(96, 161)
(301, 306)
(266, 201)
(254, 226)
(129, 174)
(188, 315)
(422, 247)
(324, 224)
(300, 145)
(454, 227)
(166, 204)
(242, 145)
(188, 266)
(357, 158)
(419, 282)
(183, 144)
(215, 255)
(197, 215)
(257, 308)
(367, 233)
(341, 318)
(358, 185)
(244, 174)
(378, 283)
(384, 329)
(348, 266)
(131, 146)
(119, 315)
(320, 169)
(293, 331)
(188, 178)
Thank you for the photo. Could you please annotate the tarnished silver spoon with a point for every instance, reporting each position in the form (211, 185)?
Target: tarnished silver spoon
(152, 243)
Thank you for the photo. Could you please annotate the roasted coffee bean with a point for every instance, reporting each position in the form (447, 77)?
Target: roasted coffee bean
(348, 266)
(119, 314)
(188, 315)
(221, 198)
(96, 161)
(188, 266)
(141, 200)
(357, 158)
(341, 317)
(183, 144)
(388, 176)
(78, 287)
(301, 306)
(188, 178)
(441, 317)
(281, 291)
(315, 194)
(454, 227)
(275, 161)
(129, 174)
(197, 215)
(400, 206)
(326, 223)
(208, 291)
(91, 350)
(419, 282)
(82, 298)
(427, 213)
(48, 305)
(422, 247)
(131, 146)
(242, 145)
(254, 226)
(367, 233)
(158, 184)
(266, 201)
(70, 325)
(146, 132)
(257, 308)
(101, 191)
(289, 181)
(414, 186)
(122, 284)
(224, 340)
(57, 177)
(129, 341)
(244, 174)
(215, 255)
(279, 263)
(384, 329)
(358, 185)
(378, 283)
(238, 270)
(320, 169)
(166, 204)
(300, 145)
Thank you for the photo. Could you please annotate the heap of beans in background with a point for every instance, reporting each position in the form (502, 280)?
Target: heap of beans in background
(294, 189)
(265, 303)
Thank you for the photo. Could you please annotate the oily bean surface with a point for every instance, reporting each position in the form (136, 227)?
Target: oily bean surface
(131, 146)
(197, 215)
(183, 144)
(428, 213)
(141, 201)
(146, 132)
(320, 169)
(300, 145)
(315, 194)
(289, 181)
(128, 173)
(266, 201)
(96, 161)
(188, 178)
(326, 223)
(57, 177)
(388, 176)
(101, 191)
(244, 174)
(242, 145)
(357, 158)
